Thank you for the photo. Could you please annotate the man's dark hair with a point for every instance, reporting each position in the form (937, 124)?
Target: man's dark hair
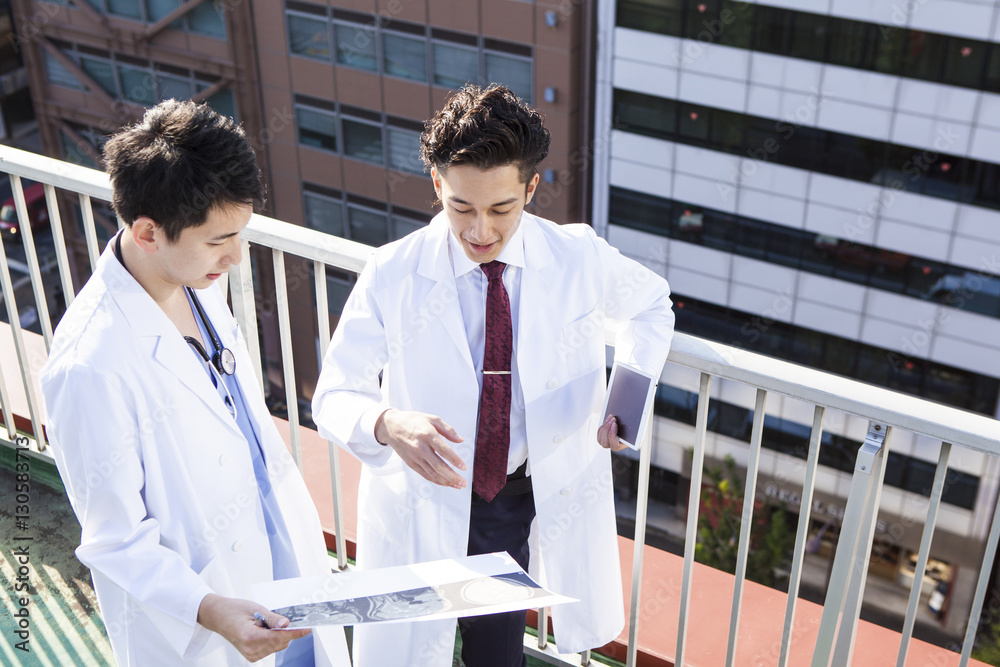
(180, 162)
(485, 128)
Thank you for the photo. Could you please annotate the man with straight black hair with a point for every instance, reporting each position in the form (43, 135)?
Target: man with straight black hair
(185, 491)
(468, 371)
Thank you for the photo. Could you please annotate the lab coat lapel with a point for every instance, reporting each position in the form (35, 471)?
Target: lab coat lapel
(442, 299)
(166, 345)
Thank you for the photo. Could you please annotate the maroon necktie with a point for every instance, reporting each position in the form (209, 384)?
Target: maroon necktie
(489, 474)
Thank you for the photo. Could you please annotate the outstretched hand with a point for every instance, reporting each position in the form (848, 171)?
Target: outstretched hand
(607, 435)
(421, 440)
(234, 620)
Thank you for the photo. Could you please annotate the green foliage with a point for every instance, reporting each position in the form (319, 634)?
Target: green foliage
(988, 645)
(771, 538)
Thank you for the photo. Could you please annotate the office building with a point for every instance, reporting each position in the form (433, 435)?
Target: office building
(818, 182)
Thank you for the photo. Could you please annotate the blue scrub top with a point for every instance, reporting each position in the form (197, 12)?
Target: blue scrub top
(300, 652)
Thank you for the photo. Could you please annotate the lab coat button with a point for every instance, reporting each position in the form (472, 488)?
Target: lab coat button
(564, 492)
(237, 545)
(223, 461)
(552, 384)
(557, 439)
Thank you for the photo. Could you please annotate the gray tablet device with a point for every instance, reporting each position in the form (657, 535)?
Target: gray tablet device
(630, 400)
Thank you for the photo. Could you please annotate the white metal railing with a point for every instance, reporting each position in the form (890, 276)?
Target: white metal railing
(885, 411)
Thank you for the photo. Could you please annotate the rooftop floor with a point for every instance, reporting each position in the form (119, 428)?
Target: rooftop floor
(66, 628)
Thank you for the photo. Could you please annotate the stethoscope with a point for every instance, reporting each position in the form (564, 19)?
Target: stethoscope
(222, 357)
(222, 360)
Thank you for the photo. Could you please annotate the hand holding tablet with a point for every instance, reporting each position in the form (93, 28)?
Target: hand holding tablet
(629, 399)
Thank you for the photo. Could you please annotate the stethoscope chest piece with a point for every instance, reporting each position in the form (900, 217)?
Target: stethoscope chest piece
(222, 357)
(225, 361)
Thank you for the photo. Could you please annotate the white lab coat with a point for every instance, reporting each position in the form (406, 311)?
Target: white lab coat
(160, 476)
(403, 318)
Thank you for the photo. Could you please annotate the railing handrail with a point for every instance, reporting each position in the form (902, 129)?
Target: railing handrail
(846, 395)
(61, 174)
(911, 413)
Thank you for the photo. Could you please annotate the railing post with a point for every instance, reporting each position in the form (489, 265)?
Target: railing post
(323, 327)
(838, 625)
(694, 503)
(639, 544)
(244, 309)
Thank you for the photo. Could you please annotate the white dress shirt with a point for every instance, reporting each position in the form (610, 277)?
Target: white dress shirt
(472, 283)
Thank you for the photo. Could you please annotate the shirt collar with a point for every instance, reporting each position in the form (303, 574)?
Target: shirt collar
(512, 253)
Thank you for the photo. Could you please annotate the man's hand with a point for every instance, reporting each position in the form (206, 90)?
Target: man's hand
(233, 619)
(421, 440)
(607, 435)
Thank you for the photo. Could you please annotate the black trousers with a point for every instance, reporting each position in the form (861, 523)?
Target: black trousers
(497, 640)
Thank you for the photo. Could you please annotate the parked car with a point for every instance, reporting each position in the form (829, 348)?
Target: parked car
(38, 212)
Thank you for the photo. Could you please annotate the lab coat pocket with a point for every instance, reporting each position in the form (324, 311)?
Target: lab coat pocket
(580, 349)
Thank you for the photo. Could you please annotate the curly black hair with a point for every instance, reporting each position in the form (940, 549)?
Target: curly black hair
(485, 128)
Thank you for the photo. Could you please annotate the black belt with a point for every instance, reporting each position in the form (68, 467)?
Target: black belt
(518, 484)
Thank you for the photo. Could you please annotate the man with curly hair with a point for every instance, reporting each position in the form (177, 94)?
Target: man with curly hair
(468, 373)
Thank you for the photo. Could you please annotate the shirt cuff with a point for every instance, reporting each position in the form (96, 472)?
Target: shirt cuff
(366, 427)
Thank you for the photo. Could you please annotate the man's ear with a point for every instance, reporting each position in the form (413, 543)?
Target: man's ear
(529, 189)
(146, 234)
(436, 180)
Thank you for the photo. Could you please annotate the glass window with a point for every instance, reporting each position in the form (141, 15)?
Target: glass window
(694, 122)
(404, 150)
(645, 114)
(308, 37)
(454, 66)
(338, 288)
(224, 102)
(174, 87)
(403, 225)
(808, 35)
(73, 153)
(960, 489)
(889, 48)
(59, 75)
(137, 85)
(774, 31)
(367, 226)
(919, 476)
(208, 19)
(848, 43)
(127, 8)
(356, 46)
(157, 9)
(662, 16)
(363, 141)
(923, 55)
(405, 57)
(324, 214)
(992, 82)
(734, 25)
(639, 211)
(816, 253)
(699, 20)
(102, 72)
(317, 128)
(514, 73)
(966, 60)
